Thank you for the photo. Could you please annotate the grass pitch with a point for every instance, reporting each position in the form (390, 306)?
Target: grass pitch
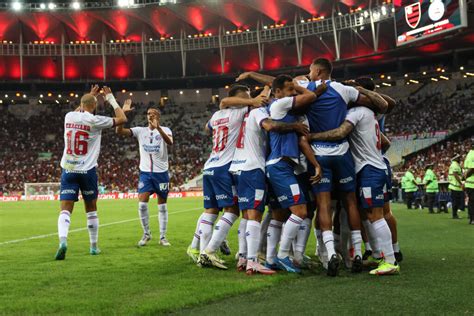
(437, 275)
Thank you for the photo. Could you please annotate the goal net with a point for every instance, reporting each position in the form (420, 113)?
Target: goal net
(49, 188)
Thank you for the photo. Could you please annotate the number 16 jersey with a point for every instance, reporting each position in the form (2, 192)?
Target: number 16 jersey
(225, 125)
(82, 136)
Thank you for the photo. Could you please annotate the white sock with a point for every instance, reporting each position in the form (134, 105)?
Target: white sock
(196, 237)
(302, 238)
(328, 240)
(263, 232)
(220, 231)
(384, 238)
(93, 227)
(288, 235)
(372, 238)
(242, 239)
(367, 246)
(273, 237)
(253, 239)
(144, 217)
(396, 247)
(356, 238)
(163, 219)
(205, 229)
(64, 220)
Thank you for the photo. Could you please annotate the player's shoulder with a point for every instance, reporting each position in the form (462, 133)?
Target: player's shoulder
(166, 129)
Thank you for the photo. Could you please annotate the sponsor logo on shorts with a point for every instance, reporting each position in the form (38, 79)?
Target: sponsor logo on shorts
(221, 197)
(243, 200)
(207, 198)
(346, 180)
(282, 198)
(68, 192)
(379, 197)
(325, 180)
(164, 186)
(208, 172)
(87, 192)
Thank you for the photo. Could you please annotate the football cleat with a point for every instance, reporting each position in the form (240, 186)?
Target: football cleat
(385, 268)
(286, 264)
(333, 266)
(272, 266)
(61, 253)
(241, 264)
(398, 256)
(357, 265)
(145, 239)
(193, 254)
(164, 242)
(211, 259)
(224, 247)
(94, 251)
(366, 255)
(372, 261)
(253, 267)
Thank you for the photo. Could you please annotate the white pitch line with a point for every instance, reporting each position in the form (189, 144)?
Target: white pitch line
(81, 229)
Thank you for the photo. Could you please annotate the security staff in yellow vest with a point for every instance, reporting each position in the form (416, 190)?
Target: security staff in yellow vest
(430, 180)
(410, 187)
(455, 186)
(469, 186)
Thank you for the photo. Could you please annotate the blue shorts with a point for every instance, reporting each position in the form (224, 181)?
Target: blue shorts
(219, 188)
(338, 173)
(285, 186)
(303, 180)
(370, 183)
(154, 182)
(388, 186)
(251, 189)
(73, 181)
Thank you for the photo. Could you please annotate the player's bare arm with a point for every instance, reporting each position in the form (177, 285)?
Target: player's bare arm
(385, 142)
(372, 100)
(261, 78)
(256, 102)
(307, 151)
(127, 108)
(391, 102)
(280, 127)
(305, 97)
(155, 123)
(335, 134)
(120, 118)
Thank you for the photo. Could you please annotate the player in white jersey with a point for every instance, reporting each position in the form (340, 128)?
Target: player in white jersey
(366, 147)
(218, 185)
(153, 141)
(248, 167)
(82, 136)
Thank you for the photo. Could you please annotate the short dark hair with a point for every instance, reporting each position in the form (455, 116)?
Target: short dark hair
(279, 82)
(366, 83)
(237, 88)
(153, 107)
(323, 63)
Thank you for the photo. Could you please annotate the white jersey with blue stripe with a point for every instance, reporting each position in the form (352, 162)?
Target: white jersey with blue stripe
(329, 112)
(225, 125)
(153, 148)
(283, 144)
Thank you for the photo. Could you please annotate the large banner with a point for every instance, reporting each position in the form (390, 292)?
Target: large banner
(420, 19)
(108, 196)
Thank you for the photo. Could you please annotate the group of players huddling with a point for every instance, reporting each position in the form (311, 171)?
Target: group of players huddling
(299, 146)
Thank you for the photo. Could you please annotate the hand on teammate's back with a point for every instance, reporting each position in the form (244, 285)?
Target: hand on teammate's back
(127, 106)
(259, 101)
(302, 129)
(321, 89)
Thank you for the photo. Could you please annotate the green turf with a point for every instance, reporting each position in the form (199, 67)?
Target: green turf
(437, 275)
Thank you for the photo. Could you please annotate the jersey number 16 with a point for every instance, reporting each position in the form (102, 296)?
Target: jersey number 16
(80, 143)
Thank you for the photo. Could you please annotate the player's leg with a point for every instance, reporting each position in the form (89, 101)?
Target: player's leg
(253, 240)
(161, 186)
(279, 216)
(90, 191)
(301, 240)
(145, 189)
(69, 193)
(321, 250)
(262, 247)
(242, 254)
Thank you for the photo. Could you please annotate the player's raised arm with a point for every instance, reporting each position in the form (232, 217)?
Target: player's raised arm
(261, 78)
(372, 100)
(120, 117)
(335, 134)
(120, 130)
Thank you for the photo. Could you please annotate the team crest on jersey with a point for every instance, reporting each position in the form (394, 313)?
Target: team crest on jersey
(157, 137)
